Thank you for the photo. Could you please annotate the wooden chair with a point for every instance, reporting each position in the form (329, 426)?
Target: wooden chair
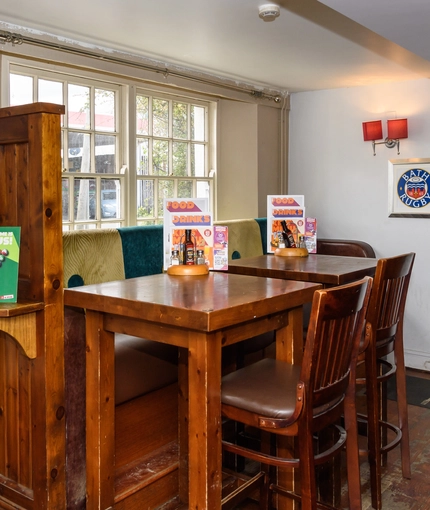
(385, 325)
(289, 400)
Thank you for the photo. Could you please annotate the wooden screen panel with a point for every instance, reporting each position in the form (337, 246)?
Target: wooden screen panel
(15, 417)
(14, 195)
(32, 412)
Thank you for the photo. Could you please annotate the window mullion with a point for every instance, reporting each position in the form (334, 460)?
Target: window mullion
(189, 142)
(170, 139)
(170, 158)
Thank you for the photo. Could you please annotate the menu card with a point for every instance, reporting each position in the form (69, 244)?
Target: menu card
(9, 263)
(192, 214)
(291, 209)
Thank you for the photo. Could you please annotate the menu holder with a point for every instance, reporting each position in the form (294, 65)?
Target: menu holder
(291, 252)
(184, 270)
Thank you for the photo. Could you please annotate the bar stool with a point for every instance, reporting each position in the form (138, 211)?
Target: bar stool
(385, 324)
(289, 400)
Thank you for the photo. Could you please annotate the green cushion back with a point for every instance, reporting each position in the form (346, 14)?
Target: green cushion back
(143, 250)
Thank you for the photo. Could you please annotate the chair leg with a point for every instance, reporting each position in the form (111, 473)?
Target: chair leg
(402, 407)
(383, 416)
(352, 451)
(373, 428)
(265, 492)
(329, 473)
(307, 473)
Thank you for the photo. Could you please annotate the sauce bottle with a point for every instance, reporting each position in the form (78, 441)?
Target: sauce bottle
(288, 235)
(188, 249)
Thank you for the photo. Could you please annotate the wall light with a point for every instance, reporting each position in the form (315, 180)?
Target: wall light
(397, 129)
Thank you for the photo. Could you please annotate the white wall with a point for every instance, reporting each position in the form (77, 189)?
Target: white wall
(237, 174)
(346, 187)
(269, 155)
(248, 158)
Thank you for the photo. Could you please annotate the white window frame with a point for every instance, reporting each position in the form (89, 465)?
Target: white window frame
(127, 88)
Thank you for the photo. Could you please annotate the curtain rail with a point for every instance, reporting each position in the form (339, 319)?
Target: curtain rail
(18, 39)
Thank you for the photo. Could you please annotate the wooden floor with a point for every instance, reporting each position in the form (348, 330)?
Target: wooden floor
(399, 493)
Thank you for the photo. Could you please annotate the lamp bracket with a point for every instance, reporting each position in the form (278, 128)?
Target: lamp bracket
(390, 143)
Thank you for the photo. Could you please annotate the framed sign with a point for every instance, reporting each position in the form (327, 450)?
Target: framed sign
(408, 188)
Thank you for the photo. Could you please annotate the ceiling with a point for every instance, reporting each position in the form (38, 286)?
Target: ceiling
(312, 45)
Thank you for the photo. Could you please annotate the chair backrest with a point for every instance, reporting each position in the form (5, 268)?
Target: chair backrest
(387, 301)
(335, 329)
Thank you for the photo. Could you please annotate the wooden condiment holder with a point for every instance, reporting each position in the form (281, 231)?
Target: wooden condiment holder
(185, 270)
(291, 252)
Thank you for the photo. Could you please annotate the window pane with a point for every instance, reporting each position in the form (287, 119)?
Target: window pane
(142, 159)
(145, 198)
(160, 157)
(165, 190)
(79, 152)
(197, 160)
(86, 226)
(197, 123)
(160, 117)
(105, 154)
(180, 156)
(185, 189)
(50, 91)
(142, 115)
(180, 120)
(110, 198)
(104, 109)
(203, 189)
(79, 107)
(84, 199)
(65, 198)
(21, 89)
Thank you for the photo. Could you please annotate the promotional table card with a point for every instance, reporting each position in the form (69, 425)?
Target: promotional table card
(288, 208)
(188, 221)
(311, 234)
(9, 263)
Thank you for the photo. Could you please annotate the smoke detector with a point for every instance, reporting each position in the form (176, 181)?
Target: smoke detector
(269, 12)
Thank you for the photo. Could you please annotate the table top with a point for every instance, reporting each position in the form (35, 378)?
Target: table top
(325, 269)
(206, 303)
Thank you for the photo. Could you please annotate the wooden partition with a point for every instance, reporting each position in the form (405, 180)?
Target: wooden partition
(32, 412)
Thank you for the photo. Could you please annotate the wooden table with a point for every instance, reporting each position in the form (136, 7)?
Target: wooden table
(201, 314)
(326, 269)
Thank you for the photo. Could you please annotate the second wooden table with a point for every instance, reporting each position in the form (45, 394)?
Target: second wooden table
(326, 269)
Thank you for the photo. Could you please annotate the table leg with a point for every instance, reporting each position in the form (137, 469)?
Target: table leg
(100, 409)
(183, 420)
(204, 427)
(289, 340)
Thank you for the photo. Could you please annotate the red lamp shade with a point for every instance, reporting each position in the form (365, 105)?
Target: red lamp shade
(397, 128)
(372, 130)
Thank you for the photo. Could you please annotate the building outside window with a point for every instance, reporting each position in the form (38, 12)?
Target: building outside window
(117, 172)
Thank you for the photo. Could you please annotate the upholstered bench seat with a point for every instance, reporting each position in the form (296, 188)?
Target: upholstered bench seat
(142, 366)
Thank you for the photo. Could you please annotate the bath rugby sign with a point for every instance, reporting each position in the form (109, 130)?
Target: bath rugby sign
(413, 188)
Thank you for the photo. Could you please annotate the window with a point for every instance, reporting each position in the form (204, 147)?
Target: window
(117, 171)
(90, 141)
(171, 153)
